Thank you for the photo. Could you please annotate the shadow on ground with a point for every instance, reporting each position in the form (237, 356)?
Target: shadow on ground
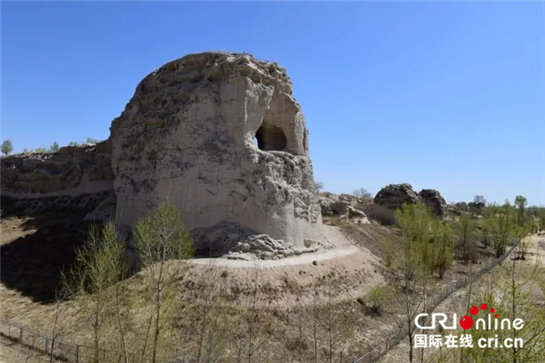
(32, 263)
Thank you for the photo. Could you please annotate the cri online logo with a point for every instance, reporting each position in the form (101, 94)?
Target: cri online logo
(466, 321)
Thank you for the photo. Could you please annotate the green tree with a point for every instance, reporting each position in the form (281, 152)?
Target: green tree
(99, 265)
(520, 203)
(163, 245)
(486, 230)
(465, 238)
(443, 248)
(54, 147)
(541, 219)
(391, 251)
(6, 147)
(502, 228)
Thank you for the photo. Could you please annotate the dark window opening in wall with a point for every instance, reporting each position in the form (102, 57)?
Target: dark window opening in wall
(271, 138)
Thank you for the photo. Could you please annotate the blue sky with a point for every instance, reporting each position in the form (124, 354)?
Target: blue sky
(442, 95)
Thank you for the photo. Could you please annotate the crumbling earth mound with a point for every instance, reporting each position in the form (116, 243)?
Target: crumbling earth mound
(187, 136)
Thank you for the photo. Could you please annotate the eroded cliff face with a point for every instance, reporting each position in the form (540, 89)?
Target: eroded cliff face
(187, 135)
(74, 178)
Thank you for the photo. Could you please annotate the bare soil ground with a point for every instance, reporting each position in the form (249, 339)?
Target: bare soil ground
(35, 250)
(12, 352)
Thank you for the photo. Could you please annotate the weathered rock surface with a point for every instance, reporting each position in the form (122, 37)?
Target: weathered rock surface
(462, 206)
(332, 206)
(434, 201)
(75, 180)
(187, 135)
(264, 247)
(394, 195)
(73, 170)
(73, 204)
(104, 211)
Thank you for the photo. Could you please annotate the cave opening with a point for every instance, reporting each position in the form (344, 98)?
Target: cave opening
(270, 138)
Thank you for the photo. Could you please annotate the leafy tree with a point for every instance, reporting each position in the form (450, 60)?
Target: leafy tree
(73, 143)
(428, 242)
(486, 230)
(443, 248)
(40, 150)
(6, 147)
(415, 289)
(465, 236)
(163, 245)
(99, 265)
(378, 297)
(414, 221)
(391, 251)
(520, 203)
(54, 147)
(502, 228)
(542, 220)
(91, 141)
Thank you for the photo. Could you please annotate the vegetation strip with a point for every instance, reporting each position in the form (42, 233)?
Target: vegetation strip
(376, 353)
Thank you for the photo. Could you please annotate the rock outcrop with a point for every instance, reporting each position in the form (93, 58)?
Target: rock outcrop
(187, 135)
(74, 179)
(342, 206)
(393, 196)
(331, 206)
(70, 171)
(434, 201)
(462, 206)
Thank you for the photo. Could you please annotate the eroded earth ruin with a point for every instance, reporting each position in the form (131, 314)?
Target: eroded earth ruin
(187, 135)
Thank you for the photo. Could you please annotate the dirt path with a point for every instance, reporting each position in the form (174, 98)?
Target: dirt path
(340, 246)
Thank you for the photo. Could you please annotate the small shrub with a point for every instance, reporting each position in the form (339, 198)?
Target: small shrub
(377, 298)
(391, 251)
